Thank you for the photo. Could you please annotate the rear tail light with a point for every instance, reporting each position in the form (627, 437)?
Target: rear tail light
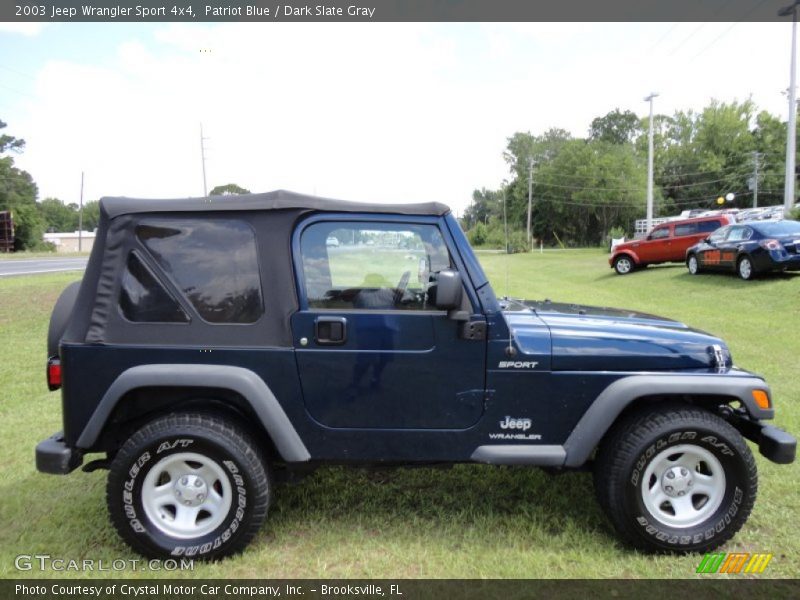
(770, 244)
(53, 373)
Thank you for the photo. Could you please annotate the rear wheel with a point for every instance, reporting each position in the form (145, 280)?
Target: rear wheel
(623, 264)
(188, 485)
(676, 479)
(693, 264)
(745, 268)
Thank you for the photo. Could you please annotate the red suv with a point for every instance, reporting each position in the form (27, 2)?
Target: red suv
(667, 242)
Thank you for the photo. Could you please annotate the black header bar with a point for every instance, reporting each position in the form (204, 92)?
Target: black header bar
(274, 11)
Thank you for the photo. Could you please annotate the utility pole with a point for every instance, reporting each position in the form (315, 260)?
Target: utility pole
(203, 158)
(791, 130)
(80, 218)
(650, 164)
(530, 199)
(505, 222)
(756, 158)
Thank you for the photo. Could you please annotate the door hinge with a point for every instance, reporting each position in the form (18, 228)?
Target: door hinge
(473, 330)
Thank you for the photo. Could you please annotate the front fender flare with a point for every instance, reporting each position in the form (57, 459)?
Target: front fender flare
(601, 415)
(237, 379)
(631, 253)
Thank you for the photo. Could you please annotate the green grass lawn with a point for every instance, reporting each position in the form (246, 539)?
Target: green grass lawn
(469, 521)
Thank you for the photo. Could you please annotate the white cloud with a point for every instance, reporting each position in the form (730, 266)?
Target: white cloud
(384, 112)
(28, 29)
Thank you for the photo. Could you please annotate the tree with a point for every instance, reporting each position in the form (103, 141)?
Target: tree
(616, 127)
(581, 188)
(91, 215)
(57, 216)
(18, 194)
(229, 189)
(8, 142)
(485, 204)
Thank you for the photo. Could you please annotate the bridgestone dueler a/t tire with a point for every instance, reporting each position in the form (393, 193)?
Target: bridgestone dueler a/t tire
(229, 446)
(640, 439)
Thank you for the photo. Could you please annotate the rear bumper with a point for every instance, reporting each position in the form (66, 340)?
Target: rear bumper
(773, 443)
(55, 457)
(777, 261)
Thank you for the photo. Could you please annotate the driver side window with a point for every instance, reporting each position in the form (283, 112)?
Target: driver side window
(659, 233)
(719, 235)
(372, 266)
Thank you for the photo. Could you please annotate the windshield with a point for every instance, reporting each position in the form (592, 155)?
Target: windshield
(779, 228)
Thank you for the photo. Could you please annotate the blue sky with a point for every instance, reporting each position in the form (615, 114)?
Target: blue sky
(362, 111)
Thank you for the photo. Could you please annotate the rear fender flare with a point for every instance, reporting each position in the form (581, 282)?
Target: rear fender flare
(237, 379)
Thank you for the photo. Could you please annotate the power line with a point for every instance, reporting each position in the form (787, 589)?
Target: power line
(667, 166)
(31, 77)
(662, 38)
(14, 91)
(633, 204)
(732, 25)
(625, 189)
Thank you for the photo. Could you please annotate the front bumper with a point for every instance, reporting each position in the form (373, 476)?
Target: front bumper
(55, 457)
(773, 443)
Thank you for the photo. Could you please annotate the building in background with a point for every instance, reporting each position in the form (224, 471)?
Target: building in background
(68, 242)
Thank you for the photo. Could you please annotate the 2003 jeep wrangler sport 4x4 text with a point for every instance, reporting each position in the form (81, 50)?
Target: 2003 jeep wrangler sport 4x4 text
(213, 342)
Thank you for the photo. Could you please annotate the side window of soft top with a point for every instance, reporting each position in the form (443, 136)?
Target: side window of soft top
(213, 262)
(143, 299)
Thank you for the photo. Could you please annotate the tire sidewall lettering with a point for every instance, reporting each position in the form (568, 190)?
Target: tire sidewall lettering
(734, 495)
(139, 522)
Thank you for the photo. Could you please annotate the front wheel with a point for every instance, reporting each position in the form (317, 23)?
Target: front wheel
(623, 265)
(188, 485)
(692, 264)
(676, 479)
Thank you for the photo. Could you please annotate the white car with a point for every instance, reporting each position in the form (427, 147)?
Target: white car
(332, 241)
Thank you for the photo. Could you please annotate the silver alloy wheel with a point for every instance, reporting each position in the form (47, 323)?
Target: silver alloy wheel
(186, 495)
(745, 268)
(623, 265)
(683, 486)
(692, 264)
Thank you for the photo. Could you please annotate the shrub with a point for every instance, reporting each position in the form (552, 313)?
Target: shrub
(477, 235)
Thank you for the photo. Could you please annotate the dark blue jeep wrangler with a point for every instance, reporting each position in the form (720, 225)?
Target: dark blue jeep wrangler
(215, 342)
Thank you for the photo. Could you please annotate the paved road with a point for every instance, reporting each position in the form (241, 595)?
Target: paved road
(29, 266)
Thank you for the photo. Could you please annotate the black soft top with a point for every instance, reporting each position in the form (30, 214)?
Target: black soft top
(96, 318)
(277, 200)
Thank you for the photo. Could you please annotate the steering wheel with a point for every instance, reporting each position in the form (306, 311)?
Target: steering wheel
(402, 285)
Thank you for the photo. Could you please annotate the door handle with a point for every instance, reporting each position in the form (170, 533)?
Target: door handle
(330, 331)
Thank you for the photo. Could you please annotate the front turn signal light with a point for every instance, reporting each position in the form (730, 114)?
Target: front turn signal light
(762, 399)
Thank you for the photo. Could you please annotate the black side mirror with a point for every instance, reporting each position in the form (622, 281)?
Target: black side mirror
(448, 290)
